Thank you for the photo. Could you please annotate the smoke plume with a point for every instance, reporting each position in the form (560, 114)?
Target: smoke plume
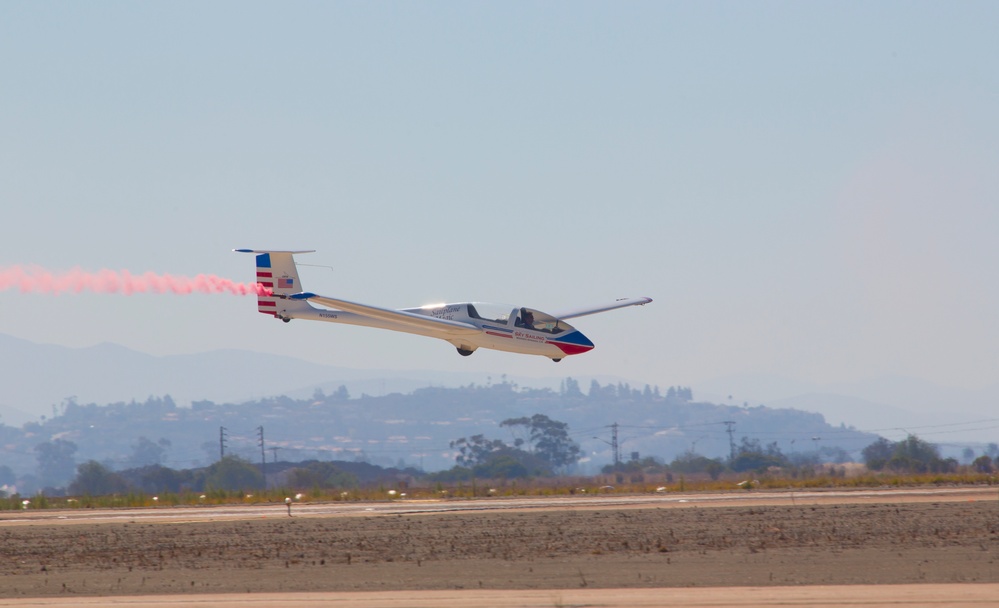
(32, 279)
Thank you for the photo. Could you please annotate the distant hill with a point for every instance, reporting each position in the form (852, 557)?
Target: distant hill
(417, 429)
(890, 405)
(35, 377)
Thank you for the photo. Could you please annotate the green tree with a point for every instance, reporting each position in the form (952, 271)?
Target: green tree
(146, 452)
(491, 458)
(916, 455)
(752, 456)
(549, 439)
(715, 469)
(56, 464)
(983, 464)
(157, 478)
(233, 473)
(692, 462)
(649, 464)
(877, 454)
(321, 475)
(570, 389)
(94, 479)
(510, 463)
(475, 450)
(594, 391)
(502, 466)
(452, 475)
(679, 393)
(967, 454)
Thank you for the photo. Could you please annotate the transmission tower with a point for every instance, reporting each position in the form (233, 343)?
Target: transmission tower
(222, 438)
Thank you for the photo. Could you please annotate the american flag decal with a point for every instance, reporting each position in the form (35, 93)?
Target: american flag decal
(285, 283)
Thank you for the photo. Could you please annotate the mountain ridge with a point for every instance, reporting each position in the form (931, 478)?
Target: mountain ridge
(38, 377)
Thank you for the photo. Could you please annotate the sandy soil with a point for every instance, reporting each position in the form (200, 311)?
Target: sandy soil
(839, 544)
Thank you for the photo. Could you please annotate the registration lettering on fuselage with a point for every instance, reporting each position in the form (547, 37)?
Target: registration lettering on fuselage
(523, 335)
(445, 312)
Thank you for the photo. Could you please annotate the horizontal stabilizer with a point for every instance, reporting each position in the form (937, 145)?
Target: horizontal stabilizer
(274, 251)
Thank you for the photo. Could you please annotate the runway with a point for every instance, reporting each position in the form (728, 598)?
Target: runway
(417, 506)
(858, 596)
(934, 546)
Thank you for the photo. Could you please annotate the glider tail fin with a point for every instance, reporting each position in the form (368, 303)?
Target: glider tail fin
(278, 274)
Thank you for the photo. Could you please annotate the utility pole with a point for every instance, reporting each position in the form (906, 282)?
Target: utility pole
(274, 451)
(615, 447)
(263, 461)
(731, 440)
(222, 437)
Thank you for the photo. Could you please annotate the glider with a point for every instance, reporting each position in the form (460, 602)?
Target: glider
(468, 326)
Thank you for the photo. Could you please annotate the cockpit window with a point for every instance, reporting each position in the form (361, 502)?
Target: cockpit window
(529, 318)
(490, 312)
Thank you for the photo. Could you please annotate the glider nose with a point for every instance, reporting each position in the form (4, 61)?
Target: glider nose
(574, 344)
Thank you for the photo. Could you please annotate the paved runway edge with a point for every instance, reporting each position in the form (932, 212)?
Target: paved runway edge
(867, 596)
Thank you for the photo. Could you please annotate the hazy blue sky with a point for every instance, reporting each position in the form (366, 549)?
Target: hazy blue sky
(806, 189)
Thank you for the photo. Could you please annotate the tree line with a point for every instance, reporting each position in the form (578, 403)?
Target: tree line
(915, 455)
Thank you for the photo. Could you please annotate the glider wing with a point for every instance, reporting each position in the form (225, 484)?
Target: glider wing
(582, 312)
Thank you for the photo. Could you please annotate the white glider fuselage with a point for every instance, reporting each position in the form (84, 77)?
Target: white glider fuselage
(468, 326)
(475, 325)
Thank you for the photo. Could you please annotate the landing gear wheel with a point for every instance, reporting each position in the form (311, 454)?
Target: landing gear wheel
(464, 352)
(557, 360)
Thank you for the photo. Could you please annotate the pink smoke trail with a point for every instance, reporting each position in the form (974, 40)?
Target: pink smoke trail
(38, 280)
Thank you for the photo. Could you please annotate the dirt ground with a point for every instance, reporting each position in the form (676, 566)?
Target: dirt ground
(840, 544)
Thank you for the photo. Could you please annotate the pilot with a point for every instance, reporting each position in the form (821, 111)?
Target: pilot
(527, 318)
